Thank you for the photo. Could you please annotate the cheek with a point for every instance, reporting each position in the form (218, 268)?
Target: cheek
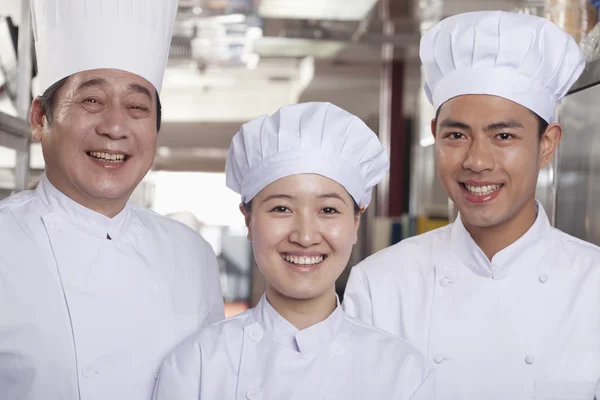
(340, 236)
(267, 233)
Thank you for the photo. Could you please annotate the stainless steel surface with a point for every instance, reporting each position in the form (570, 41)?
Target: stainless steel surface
(589, 77)
(578, 175)
(24, 91)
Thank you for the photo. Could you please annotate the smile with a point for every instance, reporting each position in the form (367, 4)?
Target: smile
(485, 190)
(303, 260)
(106, 157)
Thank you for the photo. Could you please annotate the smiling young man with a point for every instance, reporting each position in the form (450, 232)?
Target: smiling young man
(506, 306)
(95, 291)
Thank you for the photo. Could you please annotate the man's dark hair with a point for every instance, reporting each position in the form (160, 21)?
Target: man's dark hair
(542, 124)
(47, 102)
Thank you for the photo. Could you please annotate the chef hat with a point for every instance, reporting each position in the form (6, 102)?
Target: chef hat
(79, 35)
(307, 138)
(523, 58)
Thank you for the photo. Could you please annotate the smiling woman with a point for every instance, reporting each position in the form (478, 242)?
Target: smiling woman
(305, 175)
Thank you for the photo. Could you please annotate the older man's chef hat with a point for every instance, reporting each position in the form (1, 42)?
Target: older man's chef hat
(79, 35)
(522, 58)
(317, 138)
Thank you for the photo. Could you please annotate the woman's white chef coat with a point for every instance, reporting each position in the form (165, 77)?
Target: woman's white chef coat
(524, 326)
(83, 317)
(260, 355)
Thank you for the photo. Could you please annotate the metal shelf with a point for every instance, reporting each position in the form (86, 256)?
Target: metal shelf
(14, 133)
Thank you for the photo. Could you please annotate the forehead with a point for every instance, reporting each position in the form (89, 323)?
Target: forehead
(109, 78)
(484, 109)
(304, 185)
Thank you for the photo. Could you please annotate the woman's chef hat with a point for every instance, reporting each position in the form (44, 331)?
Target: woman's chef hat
(307, 138)
(79, 35)
(522, 58)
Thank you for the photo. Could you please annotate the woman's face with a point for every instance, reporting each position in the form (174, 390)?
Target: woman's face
(302, 228)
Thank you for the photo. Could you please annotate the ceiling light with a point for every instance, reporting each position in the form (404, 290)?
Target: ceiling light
(341, 10)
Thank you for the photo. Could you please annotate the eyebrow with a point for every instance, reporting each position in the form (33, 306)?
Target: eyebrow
(503, 125)
(135, 87)
(508, 124)
(288, 197)
(332, 196)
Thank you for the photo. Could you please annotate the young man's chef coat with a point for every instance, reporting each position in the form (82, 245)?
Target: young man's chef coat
(260, 355)
(84, 317)
(525, 325)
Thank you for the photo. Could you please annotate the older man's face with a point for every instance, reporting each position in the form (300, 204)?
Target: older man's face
(101, 140)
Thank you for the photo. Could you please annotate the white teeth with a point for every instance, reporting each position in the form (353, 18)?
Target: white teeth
(483, 190)
(303, 260)
(107, 157)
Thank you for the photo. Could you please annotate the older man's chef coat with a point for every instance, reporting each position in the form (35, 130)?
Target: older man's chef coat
(258, 355)
(525, 325)
(84, 317)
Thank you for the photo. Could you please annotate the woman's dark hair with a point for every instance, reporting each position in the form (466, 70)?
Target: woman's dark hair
(47, 102)
(542, 124)
(248, 207)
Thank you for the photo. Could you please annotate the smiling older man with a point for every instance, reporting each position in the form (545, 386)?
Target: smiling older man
(95, 291)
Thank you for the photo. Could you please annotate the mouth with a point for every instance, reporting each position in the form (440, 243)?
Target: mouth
(304, 261)
(480, 193)
(114, 158)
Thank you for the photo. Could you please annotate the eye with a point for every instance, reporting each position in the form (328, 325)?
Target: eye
(504, 136)
(330, 210)
(139, 108)
(280, 209)
(455, 135)
(91, 101)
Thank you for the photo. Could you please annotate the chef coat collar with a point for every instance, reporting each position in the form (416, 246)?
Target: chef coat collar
(286, 334)
(464, 247)
(83, 218)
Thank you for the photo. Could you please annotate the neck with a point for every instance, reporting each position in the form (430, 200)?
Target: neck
(302, 313)
(107, 207)
(493, 239)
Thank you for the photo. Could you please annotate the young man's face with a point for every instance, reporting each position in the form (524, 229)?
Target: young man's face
(488, 155)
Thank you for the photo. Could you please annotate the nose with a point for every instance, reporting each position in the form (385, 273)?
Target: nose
(306, 231)
(480, 156)
(114, 124)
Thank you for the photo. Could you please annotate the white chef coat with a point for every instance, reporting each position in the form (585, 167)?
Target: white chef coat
(258, 355)
(83, 317)
(525, 325)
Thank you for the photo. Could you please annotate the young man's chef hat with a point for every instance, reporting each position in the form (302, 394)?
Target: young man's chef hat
(523, 58)
(307, 138)
(79, 35)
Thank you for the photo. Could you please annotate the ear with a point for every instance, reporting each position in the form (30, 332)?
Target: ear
(549, 143)
(357, 223)
(433, 126)
(37, 120)
(246, 215)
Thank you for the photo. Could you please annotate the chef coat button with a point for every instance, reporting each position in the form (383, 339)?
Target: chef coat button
(328, 398)
(54, 225)
(444, 282)
(252, 394)
(438, 359)
(89, 371)
(529, 359)
(543, 278)
(337, 349)
(255, 333)
(151, 287)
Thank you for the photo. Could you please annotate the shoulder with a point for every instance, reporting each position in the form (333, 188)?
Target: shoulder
(16, 201)
(575, 249)
(417, 251)
(384, 344)
(177, 232)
